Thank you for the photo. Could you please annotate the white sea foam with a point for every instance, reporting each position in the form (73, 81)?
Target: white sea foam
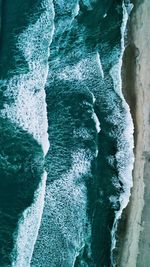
(80, 71)
(124, 156)
(26, 107)
(94, 116)
(117, 67)
(76, 10)
(71, 73)
(125, 160)
(97, 123)
(29, 111)
(100, 65)
(63, 230)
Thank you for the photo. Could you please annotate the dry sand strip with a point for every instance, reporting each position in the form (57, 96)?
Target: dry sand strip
(135, 245)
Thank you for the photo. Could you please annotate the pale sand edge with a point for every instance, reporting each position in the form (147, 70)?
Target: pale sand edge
(140, 38)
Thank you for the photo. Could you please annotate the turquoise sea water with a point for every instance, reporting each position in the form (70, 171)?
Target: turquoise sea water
(60, 85)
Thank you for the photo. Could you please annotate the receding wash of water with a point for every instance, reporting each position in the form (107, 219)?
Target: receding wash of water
(66, 132)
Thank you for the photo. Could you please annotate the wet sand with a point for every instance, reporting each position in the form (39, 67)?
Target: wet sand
(134, 241)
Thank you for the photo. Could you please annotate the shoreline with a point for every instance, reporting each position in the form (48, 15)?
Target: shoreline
(132, 238)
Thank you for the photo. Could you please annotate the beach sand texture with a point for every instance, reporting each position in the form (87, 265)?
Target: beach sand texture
(135, 251)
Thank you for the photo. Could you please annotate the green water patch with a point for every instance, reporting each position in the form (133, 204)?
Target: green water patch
(21, 168)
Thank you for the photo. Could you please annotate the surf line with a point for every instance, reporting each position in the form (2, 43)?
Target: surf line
(127, 140)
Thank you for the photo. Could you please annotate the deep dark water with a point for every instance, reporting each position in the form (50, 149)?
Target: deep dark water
(21, 167)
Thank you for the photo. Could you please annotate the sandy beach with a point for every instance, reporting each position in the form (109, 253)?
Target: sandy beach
(134, 243)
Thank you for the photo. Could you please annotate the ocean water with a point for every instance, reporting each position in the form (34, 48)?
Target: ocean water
(24, 70)
(60, 66)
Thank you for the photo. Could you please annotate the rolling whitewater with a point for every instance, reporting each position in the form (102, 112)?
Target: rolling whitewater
(66, 132)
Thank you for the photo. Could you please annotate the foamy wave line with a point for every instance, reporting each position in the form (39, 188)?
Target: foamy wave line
(124, 156)
(100, 65)
(95, 118)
